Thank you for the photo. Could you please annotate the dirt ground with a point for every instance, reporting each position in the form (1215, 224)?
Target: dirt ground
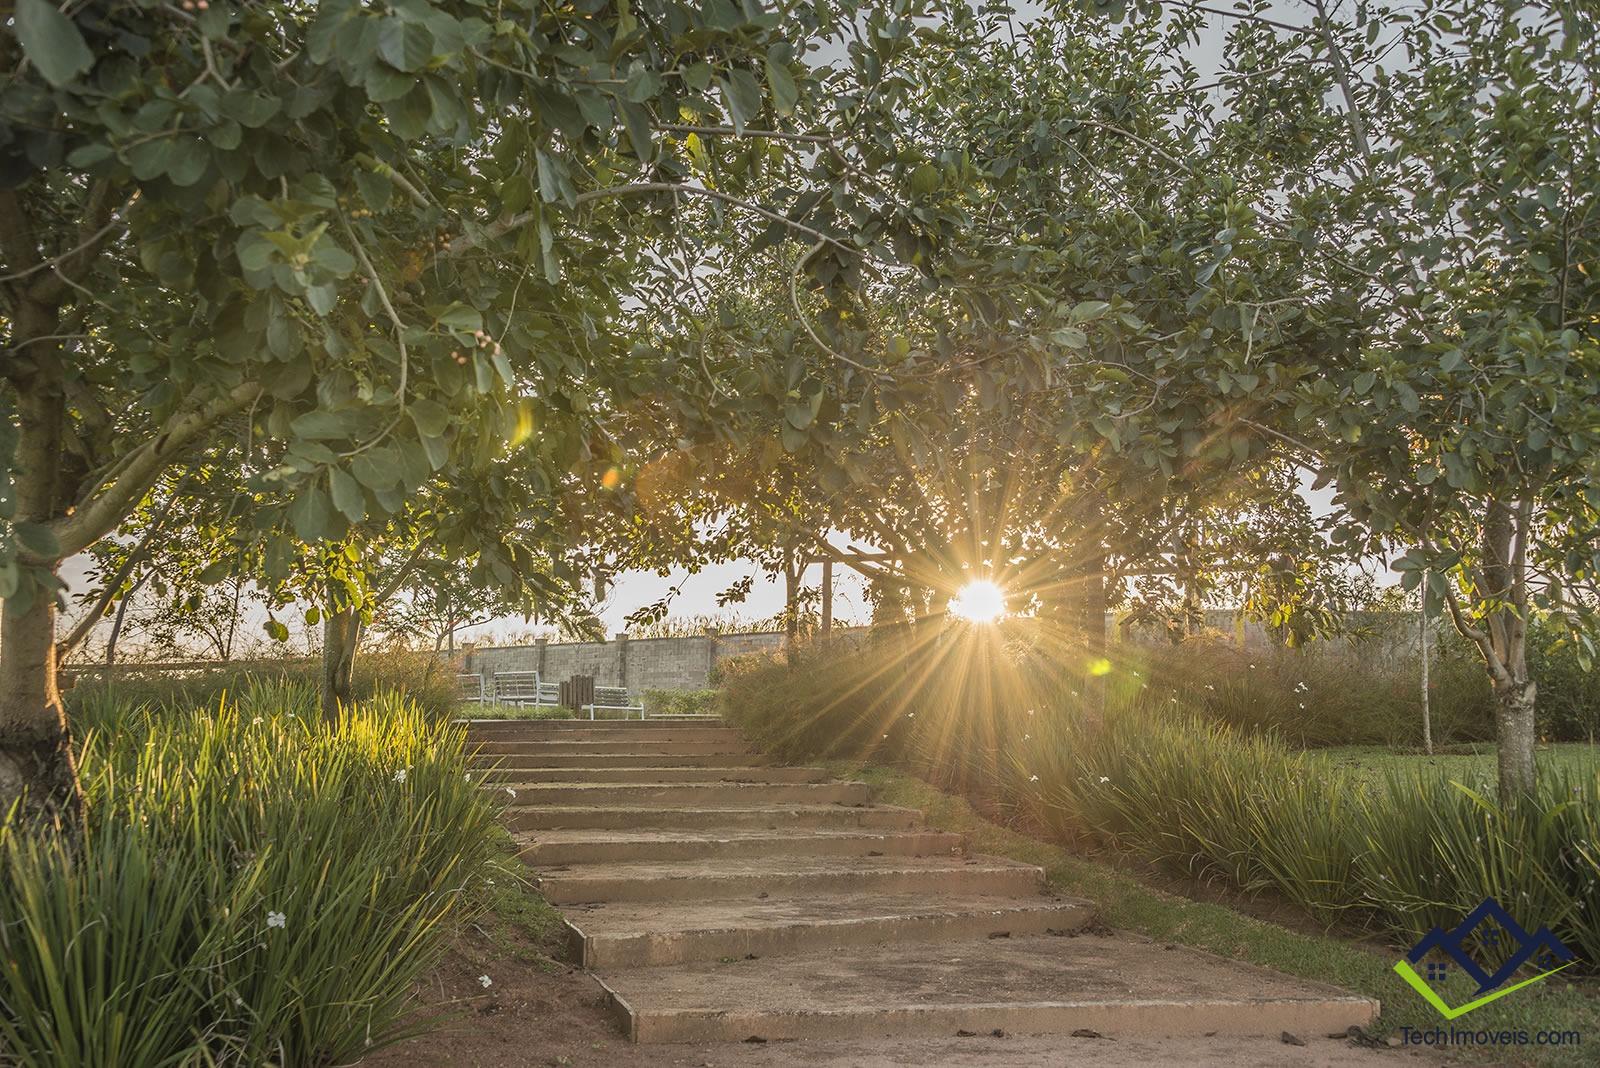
(537, 1014)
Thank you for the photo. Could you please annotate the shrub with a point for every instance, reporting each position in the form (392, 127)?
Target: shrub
(1164, 778)
(680, 702)
(1569, 696)
(427, 681)
(254, 886)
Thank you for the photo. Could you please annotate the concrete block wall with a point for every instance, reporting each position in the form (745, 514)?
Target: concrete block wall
(638, 663)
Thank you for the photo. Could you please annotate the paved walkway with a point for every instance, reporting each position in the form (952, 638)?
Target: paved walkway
(717, 897)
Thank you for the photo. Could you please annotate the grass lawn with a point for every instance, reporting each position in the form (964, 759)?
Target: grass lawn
(1127, 903)
(1373, 763)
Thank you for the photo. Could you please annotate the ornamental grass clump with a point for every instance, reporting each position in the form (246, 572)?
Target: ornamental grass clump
(255, 885)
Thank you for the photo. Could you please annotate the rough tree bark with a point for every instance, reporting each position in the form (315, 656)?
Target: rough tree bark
(1501, 590)
(37, 771)
(341, 635)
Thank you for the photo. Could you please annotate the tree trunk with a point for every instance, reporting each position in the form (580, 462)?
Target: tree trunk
(1422, 641)
(791, 601)
(341, 633)
(36, 761)
(36, 764)
(1514, 704)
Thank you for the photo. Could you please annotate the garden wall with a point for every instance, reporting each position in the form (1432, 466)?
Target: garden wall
(683, 663)
(686, 663)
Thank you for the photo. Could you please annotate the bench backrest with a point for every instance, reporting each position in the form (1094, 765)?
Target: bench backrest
(524, 686)
(614, 696)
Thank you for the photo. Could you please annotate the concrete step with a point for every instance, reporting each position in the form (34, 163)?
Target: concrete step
(655, 723)
(624, 935)
(545, 848)
(636, 747)
(709, 817)
(620, 760)
(750, 877)
(518, 773)
(623, 760)
(693, 794)
(650, 729)
(1118, 986)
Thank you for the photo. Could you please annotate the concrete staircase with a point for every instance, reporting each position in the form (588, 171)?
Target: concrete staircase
(719, 897)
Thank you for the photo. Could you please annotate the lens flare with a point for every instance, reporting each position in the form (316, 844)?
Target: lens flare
(979, 602)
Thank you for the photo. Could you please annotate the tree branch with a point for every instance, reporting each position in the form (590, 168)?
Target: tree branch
(94, 517)
(515, 222)
(81, 631)
(729, 131)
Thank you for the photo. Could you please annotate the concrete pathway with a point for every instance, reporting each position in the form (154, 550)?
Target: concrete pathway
(717, 897)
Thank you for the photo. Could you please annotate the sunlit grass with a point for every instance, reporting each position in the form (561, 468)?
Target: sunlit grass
(256, 885)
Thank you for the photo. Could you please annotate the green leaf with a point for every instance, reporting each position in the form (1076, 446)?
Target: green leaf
(636, 120)
(1088, 309)
(432, 419)
(784, 92)
(742, 93)
(404, 45)
(250, 107)
(924, 179)
(643, 83)
(376, 189)
(347, 495)
(409, 115)
(90, 154)
(312, 515)
(51, 42)
(318, 425)
(188, 160)
(215, 572)
(462, 318)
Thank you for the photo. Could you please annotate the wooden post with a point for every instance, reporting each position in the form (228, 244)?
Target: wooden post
(827, 598)
(1427, 711)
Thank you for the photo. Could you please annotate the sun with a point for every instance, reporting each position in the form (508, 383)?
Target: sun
(979, 602)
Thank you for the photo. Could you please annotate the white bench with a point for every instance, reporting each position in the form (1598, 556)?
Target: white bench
(525, 688)
(614, 699)
(469, 688)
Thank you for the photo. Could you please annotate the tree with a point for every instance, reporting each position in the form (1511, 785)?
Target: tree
(1455, 412)
(369, 238)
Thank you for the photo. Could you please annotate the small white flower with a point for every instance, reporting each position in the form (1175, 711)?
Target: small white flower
(1033, 778)
(1302, 704)
(258, 720)
(276, 919)
(911, 715)
(400, 775)
(485, 982)
(1030, 711)
(1105, 778)
(510, 791)
(1025, 737)
(1210, 687)
(1301, 687)
(468, 776)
